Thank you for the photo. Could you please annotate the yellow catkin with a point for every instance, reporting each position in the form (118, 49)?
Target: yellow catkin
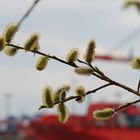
(135, 63)
(48, 97)
(2, 43)
(80, 92)
(10, 31)
(63, 113)
(10, 51)
(83, 70)
(72, 56)
(33, 39)
(132, 3)
(42, 63)
(62, 96)
(103, 114)
(80, 99)
(90, 52)
(35, 47)
(59, 90)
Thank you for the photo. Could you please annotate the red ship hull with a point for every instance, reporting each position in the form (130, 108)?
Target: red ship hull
(86, 128)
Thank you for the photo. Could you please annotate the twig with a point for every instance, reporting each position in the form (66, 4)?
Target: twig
(87, 93)
(107, 79)
(96, 73)
(76, 97)
(126, 105)
(28, 12)
(138, 87)
(43, 54)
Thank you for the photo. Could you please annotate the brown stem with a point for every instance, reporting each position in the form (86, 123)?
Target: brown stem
(126, 105)
(43, 54)
(87, 93)
(28, 12)
(93, 91)
(138, 87)
(102, 76)
(125, 87)
(76, 97)
(107, 79)
(97, 74)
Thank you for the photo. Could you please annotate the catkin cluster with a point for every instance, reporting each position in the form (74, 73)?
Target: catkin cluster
(7, 37)
(89, 55)
(31, 44)
(59, 96)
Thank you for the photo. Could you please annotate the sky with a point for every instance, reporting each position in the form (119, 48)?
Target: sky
(63, 25)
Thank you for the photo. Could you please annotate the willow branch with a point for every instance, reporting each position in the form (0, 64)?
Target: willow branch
(138, 87)
(96, 72)
(76, 97)
(126, 105)
(103, 77)
(43, 54)
(87, 93)
(28, 12)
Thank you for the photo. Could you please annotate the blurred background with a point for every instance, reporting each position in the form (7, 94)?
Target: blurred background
(63, 25)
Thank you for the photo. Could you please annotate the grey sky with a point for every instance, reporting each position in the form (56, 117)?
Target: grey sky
(63, 25)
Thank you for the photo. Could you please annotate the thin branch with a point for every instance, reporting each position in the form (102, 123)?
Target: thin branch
(76, 97)
(107, 79)
(125, 87)
(97, 74)
(87, 93)
(138, 87)
(126, 105)
(28, 12)
(83, 62)
(43, 54)
(95, 90)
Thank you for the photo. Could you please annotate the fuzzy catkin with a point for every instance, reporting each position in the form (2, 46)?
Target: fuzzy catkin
(84, 70)
(72, 56)
(10, 31)
(63, 112)
(31, 41)
(135, 63)
(2, 43)
(103, 114)
(80, 90)
(10, 51)
(48, 97)
(36, 46)
(90, 52)
(80, 99)
(42, 63)
(65, 88)
(62, 96)
(132, 3)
